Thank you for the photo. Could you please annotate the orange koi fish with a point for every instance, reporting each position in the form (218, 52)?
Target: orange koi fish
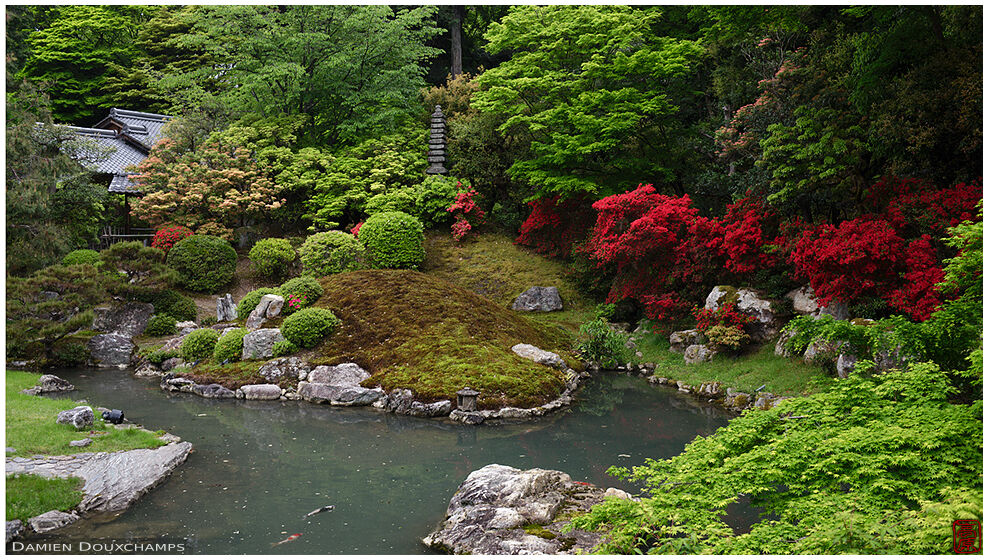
(289, 539)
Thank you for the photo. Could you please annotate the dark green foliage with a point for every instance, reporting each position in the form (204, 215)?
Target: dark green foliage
(306, 286)
(204, 263)
(271, 257)
(331, 252)
(283, 348)
(393, 240)
(601, 344)
(68, 353)
(81, 256)
(230, 346)
(307, 327)
(51, 304)
(160, 324)
(144, 268)
(252, 298)
(171, 302)
(857, 469)
(199, 344)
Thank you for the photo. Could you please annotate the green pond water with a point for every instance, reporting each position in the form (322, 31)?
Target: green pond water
(259, 467)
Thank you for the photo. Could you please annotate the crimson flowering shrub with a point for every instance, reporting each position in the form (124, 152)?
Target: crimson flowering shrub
(748, 236)
(356, 229)
(466, 211)
(168, 236)
(918, 296)
(915, 205)
(726, 315)
(556, 224)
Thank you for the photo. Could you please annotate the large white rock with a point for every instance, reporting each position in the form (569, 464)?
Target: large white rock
(538, 298)
(52, 520)
(116, 480)
(348, 375)
(539, 356)
(259, 344)
(262, 392)
(804, 302)
(268, 308)
(746, 301)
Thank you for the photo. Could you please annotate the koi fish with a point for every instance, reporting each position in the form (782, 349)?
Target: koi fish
(320, 510)
(582, 483)
(289, 539)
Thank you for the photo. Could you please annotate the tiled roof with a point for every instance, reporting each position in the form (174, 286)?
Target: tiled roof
(145, 128)
(110, 153)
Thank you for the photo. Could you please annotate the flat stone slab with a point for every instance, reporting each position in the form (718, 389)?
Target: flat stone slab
(539, 356)
(51, 521)
(539, 298)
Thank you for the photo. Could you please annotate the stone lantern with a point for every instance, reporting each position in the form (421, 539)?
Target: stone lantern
(466, 399)
(437, 143)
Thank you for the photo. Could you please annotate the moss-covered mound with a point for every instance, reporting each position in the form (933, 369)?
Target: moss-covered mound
(415, 331)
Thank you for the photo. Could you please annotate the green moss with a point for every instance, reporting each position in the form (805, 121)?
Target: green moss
(416, 331)
(232, 375)
(29, 495)
(31, 429)
(540, 531)
(730, 295)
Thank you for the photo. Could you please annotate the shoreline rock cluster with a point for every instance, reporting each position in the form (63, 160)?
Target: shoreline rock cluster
(503, 510)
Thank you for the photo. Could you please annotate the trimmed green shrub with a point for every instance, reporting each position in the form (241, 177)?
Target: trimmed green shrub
(171, 302)
(251, 299)
(204, 262)
(308, 327)
(158, 356)
(199, 344)
(271, 257)
(331, 252)
(283, 348)
(433, 197)
(230, 347)
(160, 325)
(81, 256)
(602, 344)
(306, 286)
(393, 240)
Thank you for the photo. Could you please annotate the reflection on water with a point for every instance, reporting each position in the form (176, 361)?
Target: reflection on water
(258, 467)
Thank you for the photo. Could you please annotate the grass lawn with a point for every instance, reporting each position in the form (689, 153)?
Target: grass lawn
(31, 427)
(29, 495)
(781, 376)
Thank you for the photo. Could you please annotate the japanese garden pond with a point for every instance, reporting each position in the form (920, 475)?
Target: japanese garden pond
(259, 467)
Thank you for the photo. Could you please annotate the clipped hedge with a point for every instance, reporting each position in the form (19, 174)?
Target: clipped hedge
(160, 325)
(283, 348)
(306, 328)
(251, 299)
(171, 302)
(81, 256)
(230, 346)
(199, 344)
(204, 263)
(306, 286)
(271, 257)
(331, 252)
(393, 240)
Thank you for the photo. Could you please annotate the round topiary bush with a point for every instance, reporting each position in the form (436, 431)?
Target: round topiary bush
(307, 327)
(283, 348)
(230, 347)
(393, 240)
(331, 252)
(160, 325)
(252, 298)
(271, 257)
(81, 256)
(170, 302)
(199, 344)
(305, 286)
(204, 263)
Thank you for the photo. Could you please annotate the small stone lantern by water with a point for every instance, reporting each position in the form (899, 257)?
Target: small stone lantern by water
(466, 399)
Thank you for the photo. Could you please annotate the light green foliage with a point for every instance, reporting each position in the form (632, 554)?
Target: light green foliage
(29, 495)
(432, 197)
(376, 166)
(252, 298)
(330, 252)
(401, 200)
(306, 328)
(160, 324)
(271, 257)
(839, 470)
(393, 240)
(199, 344)
(204, 263)
(352, 70)
(593, 90)
(306, 286)
(283, 348)
(230, 346)
(601, 344)
(157, 356)
(727, 338)
(81, 256)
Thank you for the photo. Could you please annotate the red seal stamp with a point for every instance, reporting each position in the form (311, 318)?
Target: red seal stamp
(967, 536)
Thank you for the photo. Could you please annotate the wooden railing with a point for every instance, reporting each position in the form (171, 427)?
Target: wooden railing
(110, 235)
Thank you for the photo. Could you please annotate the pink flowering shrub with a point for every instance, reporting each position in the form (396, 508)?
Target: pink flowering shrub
(466, 211)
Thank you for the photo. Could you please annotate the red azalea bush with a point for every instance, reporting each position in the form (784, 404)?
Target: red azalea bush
(918, 296)
(168, 236)
(725, 316)
(356, 229)
(749, 229)
(466, 211)
(860, 257)
(556, 224)
(913, 205)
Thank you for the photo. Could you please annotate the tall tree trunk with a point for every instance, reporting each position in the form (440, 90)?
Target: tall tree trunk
(456, 42)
